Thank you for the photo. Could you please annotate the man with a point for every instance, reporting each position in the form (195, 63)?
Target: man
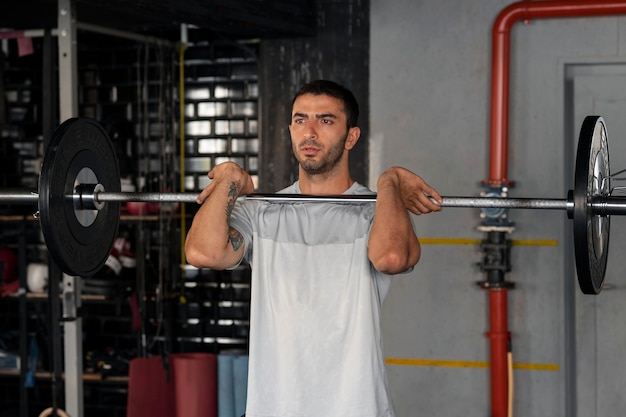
(320, 271)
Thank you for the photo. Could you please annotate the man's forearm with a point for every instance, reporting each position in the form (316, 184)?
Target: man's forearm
(393, 246)
(211, 242)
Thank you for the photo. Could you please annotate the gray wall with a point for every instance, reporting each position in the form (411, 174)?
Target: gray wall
(429, 111)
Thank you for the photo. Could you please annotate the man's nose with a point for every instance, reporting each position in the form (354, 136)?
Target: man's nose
(309, 132)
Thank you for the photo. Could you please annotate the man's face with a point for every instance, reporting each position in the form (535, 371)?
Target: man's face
(318, 132)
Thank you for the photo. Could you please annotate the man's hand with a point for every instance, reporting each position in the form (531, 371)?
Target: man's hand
(239, 181)
(414, 192)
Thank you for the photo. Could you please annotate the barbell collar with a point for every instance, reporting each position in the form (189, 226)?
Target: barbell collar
(608, 206)
(85, 197)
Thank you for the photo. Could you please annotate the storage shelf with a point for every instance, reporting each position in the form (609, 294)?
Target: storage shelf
(44, 296)
(86, 376)
(120, 87)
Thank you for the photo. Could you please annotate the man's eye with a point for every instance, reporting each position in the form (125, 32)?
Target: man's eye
(327, 121)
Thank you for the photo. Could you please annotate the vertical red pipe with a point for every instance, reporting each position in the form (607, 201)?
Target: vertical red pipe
(498, 169)
(499, 337)
(501, 58)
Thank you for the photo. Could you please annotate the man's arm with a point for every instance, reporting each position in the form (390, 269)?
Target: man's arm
(211, 242)
(393, 246)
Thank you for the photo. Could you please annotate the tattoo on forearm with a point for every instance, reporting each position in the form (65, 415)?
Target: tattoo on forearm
(233, 192)
(235, 238)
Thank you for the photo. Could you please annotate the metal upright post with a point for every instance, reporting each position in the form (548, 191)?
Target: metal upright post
(68, 96)
(23, 320)
(72, 319)
(68, 108)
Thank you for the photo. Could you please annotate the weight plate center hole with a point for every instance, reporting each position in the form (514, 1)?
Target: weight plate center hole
(86, 177)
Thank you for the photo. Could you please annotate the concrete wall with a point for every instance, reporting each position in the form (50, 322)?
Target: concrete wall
(429, 111)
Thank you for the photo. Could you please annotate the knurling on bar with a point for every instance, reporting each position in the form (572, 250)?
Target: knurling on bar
(464, 202)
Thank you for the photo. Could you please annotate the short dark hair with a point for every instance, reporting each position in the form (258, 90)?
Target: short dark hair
(333, 89)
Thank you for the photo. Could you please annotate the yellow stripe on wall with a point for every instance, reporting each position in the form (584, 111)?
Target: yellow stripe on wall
(467, 364)
(468, 241)
(535, 242)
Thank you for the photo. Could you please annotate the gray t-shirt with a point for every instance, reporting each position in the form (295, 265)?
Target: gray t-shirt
(315, 340)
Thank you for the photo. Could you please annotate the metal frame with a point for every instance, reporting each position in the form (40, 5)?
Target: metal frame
(68, 108)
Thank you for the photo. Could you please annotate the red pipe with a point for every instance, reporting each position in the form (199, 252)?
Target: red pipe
(524, 10)
(498, 176)
(499, 337)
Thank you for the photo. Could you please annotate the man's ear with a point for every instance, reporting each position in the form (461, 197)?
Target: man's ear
(354, 133)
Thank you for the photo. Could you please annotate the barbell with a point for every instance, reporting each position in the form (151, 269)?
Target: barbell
(79, 199)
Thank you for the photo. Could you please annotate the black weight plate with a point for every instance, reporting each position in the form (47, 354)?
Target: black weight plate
(77, 249)
(591, 179)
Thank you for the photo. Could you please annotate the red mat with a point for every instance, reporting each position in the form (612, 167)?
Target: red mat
(190, 392)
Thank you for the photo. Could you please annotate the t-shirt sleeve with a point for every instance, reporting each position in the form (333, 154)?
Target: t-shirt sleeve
(241, 219)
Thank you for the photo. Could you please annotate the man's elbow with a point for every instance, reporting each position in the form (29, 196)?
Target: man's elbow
(213, 257)
(202, 259)
(395, 262)
(195, 257)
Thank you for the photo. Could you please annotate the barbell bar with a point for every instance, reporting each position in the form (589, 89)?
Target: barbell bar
(603, 206)
(467, 202)
(79, 199)
(87, 199)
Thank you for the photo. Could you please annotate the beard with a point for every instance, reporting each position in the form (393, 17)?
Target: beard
(327, 161)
